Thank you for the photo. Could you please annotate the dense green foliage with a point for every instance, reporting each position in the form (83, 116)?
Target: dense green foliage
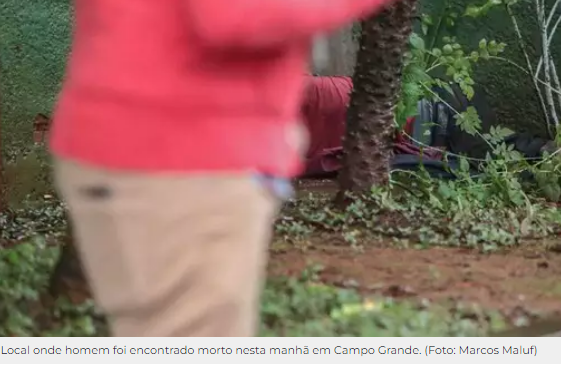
(34, 40)
(509, 91)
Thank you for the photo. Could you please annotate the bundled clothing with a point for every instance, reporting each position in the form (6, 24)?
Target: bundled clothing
(325, 113)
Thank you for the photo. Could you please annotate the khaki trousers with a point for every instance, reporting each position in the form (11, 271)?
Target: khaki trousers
(171, 255)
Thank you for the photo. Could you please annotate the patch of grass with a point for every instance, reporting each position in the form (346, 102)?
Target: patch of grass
(302, 307)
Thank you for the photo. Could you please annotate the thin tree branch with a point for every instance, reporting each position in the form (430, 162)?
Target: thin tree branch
(547, 67)
(522, 46)
(549, 39)
(552, 13)
(522, 69)
(556, 82)
(553, 30)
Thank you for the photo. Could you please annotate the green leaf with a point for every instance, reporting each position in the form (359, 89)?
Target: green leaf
(468, 121)
(483, 44)
(13, 257)
(444, 190)
(552, 192)
(427, 19)
(416, 41)
(473, 11)
(477, 11)
(503, 132)
(467, 90)
(464, 165)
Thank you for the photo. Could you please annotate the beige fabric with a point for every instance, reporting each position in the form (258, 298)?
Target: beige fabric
(171, 255)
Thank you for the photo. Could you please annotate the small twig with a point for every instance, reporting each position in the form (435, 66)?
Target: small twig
(553, 30)
(522, 46)
(549, 39)
(522, 69)
(552, 12)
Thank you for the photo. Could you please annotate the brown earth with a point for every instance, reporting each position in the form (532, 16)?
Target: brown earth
(525, 278)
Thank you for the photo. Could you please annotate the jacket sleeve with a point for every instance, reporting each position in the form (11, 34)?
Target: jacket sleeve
(266, 23)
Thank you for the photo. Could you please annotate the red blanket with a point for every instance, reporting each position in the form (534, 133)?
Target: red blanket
(325, 114)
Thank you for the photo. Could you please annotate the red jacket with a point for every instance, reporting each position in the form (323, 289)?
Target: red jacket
(190, 85)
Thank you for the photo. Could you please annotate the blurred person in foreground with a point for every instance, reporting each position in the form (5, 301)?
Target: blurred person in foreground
(175, 136)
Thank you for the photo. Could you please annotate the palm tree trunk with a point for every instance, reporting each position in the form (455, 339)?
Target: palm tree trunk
(368, 141)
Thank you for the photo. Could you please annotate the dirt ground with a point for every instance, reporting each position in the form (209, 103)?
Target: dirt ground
(526, 278)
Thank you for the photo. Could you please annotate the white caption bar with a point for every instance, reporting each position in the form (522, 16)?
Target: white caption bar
(280, 350)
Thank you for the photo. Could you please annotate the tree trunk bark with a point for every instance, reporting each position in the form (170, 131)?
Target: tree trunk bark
(368, 141)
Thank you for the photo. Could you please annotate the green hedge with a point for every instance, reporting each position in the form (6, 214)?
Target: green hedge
(34, 39)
